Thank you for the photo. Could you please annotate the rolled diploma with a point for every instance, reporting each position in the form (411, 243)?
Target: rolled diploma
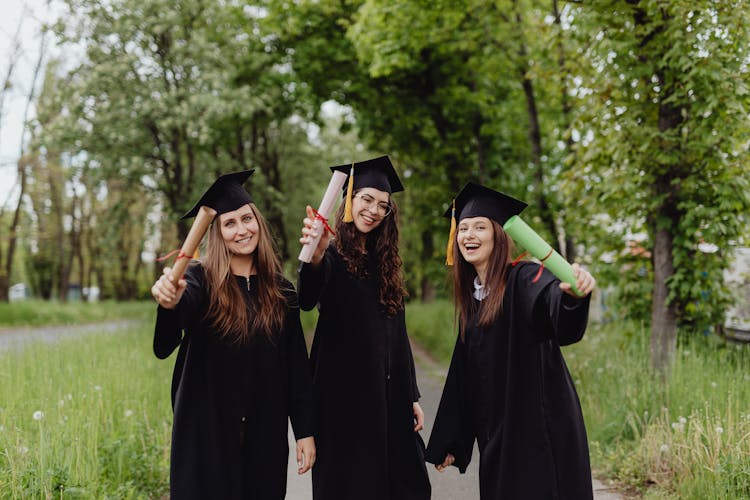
(534, 244)
(329, 199)
(197, 231)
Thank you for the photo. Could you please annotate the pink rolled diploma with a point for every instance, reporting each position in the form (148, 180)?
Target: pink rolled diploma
(329, 199)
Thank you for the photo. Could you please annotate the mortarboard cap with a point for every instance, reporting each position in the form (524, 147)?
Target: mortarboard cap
(475, 200)
(376, 173)
(225, 194)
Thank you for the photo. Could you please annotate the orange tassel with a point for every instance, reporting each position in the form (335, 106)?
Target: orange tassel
(348, 217)
(451, 237)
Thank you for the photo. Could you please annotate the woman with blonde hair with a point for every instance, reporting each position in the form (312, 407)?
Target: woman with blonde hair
(241, 369)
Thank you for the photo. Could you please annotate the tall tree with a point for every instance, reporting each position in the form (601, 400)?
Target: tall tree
(670, 145)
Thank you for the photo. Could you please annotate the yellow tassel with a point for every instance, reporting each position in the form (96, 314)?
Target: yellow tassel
(348, 217)
(197, 254)
(451, 237)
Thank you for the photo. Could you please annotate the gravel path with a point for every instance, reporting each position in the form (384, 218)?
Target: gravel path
(18, 336)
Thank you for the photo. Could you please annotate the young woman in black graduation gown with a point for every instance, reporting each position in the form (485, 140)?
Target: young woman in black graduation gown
(242, 369)
(508, 385)
(365, 393)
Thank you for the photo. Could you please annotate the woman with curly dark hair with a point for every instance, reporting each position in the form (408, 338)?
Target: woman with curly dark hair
(366, 412)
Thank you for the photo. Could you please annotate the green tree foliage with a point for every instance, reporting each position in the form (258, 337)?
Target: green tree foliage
(454, 90)
(669, 147)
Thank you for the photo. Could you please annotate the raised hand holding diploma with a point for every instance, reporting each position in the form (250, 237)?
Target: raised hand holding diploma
(318, 220)
(523, 235)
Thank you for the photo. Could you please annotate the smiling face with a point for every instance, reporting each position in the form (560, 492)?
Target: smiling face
(476, 240)
(369, 207)
(239, 229)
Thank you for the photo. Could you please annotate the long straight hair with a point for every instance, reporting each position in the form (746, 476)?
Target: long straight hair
(491, 306)
(382, 245)
(227, 311)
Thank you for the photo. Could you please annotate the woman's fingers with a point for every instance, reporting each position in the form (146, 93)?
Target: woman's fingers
(449, 459)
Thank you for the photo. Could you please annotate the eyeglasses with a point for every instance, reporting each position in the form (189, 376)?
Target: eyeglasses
(382, 208)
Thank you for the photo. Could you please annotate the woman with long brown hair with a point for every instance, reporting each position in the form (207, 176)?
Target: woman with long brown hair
(367, 414)
(508, 386)
(241, 371)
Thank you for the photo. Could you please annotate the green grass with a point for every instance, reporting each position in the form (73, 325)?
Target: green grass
(686, 438)
(85, 418)
(43, 313)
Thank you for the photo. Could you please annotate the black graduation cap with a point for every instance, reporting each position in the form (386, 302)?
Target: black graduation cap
(224, 195)
(376, 173)
(475, 200)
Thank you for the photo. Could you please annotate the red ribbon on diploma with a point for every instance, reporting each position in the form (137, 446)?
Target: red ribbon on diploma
(179, 256)
(324, 221)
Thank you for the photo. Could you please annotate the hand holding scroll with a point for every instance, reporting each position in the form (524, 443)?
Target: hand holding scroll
(310, 232)
(585, 283)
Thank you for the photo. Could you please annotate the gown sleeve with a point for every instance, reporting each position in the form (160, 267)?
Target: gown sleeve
(312, 281)
(566, 316)
(170, 322)
(452, 431)
(300, 386)
(415, 395)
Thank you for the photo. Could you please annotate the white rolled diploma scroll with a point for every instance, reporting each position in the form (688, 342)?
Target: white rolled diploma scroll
(329, 199)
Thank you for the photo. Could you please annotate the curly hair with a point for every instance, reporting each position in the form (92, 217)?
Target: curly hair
(382, 244)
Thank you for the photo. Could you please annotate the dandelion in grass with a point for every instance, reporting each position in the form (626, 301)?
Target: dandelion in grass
(23, 450)
(686, 352)
(69, 397)
(682, 420)
(599, 371)
(38, 415)
(98, 388)
(713, 385)
(719, 430)
(61, 403)
(128, 413)
(678, 426)
(664, 448)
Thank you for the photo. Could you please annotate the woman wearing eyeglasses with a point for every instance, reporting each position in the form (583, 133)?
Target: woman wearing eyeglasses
(366, 412)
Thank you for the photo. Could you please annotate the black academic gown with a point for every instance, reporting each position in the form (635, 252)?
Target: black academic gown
(509, 388)
(364, 387)
(232, 401)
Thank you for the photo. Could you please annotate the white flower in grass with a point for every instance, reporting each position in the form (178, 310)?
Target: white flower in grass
(38, 415)
(677, 426)
(23, 450)
(61, 402)
(664, 448)
(2, 428)
(128, 413)
(713, 384)
(719, 430)
(98, 388)
(599, 370)
(682, 420)
(69, 397)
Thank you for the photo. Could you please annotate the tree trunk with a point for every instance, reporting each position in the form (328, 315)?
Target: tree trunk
(427, 288)
(663, 317)
(535, 137)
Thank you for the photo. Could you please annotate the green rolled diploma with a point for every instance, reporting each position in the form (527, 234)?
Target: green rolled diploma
(534, 244)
